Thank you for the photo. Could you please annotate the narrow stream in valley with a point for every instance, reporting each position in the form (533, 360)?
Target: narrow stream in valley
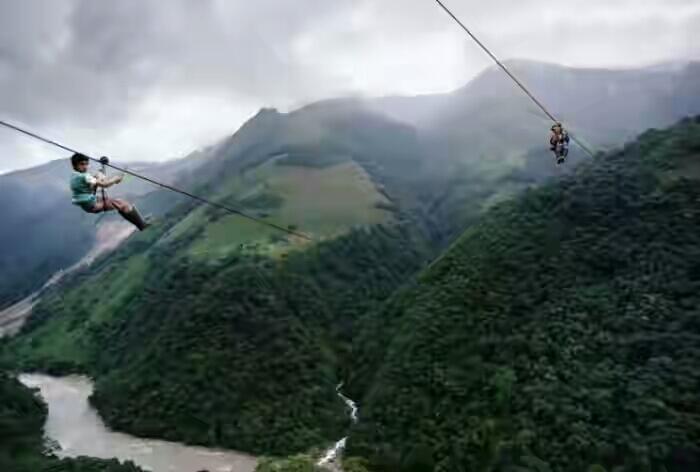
(333, 455)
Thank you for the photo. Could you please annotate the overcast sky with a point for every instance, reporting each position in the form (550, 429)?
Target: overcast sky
(154, 79)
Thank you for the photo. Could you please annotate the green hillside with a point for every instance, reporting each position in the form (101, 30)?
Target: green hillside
(324, 202)
(215, 330)
(239, 347)
(558, 333)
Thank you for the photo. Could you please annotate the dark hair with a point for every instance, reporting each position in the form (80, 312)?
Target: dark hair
(77, 158)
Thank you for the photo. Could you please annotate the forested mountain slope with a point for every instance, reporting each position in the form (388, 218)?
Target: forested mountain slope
(559, 332)
(216, 330)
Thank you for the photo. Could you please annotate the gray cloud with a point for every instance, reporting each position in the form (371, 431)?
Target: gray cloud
(150, 79)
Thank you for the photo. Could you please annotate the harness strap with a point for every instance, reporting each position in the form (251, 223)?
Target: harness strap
(104, 160)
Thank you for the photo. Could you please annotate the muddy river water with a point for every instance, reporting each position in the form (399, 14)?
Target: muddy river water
(80, 431)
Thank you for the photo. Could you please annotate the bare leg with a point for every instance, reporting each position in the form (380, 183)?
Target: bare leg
(129, 213)
(122, 206)
(125, 209)
(111, 204)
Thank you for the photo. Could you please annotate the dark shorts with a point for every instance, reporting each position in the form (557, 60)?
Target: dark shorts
(87, 206)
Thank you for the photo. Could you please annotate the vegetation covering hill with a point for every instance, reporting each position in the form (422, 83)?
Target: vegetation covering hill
(242, 352)
(214, 330)
(559, 333)
(22, 417)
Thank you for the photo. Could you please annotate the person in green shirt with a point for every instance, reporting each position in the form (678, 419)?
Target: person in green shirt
(84, 187)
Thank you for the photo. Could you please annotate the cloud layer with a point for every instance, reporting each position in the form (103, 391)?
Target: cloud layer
(146, 79)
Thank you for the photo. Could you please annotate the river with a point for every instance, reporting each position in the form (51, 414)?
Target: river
(79, 431)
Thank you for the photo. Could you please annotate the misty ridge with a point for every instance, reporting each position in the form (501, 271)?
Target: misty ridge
(486, 127)
(483, 308)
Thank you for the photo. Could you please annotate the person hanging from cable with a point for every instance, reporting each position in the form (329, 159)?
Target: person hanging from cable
(92, 204)
(84, 187)
(559, 142)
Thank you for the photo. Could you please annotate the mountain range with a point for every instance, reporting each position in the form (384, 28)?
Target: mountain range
(486, 130)
(499, 350)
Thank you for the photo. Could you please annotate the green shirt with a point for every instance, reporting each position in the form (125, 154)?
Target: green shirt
(82, 185)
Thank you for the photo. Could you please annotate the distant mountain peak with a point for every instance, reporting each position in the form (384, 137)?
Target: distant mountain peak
(265, 111)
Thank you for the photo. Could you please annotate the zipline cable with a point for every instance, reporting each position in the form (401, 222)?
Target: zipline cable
(206, 201)
(508, 72)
